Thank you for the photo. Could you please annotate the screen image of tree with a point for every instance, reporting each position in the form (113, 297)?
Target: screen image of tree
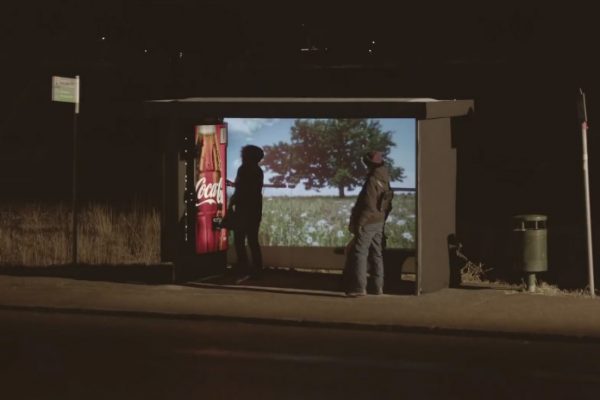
(313, 174)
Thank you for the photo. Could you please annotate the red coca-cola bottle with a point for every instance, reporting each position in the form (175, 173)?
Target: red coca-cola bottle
(210, 189)
(222, 139)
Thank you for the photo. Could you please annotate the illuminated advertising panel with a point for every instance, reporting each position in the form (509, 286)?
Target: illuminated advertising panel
(209, 183)
(313, 175)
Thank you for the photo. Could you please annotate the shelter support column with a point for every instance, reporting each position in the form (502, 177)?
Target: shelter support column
(436, 203)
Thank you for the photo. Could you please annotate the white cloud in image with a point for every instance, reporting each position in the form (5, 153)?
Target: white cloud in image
(249, 126)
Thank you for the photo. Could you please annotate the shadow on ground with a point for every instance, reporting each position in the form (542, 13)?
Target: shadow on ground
(272, 280)
(293, 281)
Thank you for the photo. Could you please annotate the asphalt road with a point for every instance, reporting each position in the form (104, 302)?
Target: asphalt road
(67, 356)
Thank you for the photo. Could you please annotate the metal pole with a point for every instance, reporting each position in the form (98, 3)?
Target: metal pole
(74, 180)
(588, 214)
(531, 282)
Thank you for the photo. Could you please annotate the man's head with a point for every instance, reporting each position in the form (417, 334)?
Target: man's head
(252, 154)
(373, 159)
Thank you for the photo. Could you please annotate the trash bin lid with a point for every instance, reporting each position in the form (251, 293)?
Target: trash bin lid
(531, 217)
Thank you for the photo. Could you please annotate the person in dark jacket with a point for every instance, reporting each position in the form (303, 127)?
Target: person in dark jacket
(366, 224)
(247, 205)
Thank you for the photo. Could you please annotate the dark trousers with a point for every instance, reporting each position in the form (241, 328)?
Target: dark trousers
(365, 257)
(248, 232)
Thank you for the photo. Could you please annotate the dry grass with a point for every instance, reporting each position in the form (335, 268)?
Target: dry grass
(474, 273)
(40, 235)
(553, 290)
(477, 274)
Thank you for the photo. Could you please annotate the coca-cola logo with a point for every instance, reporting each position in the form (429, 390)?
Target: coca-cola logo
(209, 193)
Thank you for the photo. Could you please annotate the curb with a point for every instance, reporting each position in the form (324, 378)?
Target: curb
(428, 330)
(149, 274)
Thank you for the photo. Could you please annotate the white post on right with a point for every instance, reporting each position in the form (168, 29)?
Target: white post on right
(588, 213)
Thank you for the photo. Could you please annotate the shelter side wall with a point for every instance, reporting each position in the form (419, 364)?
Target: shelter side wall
(436, 202)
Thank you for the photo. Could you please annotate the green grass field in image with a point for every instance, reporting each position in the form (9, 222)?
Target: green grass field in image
(323, 221)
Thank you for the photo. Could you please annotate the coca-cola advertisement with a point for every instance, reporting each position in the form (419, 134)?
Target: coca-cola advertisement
(209, 183)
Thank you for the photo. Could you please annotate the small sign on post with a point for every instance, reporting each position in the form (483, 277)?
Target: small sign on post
(66, 90)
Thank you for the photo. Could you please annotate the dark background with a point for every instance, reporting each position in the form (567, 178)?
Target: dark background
(521, 63)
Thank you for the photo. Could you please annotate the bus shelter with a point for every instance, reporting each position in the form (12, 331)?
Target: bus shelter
(180, 122)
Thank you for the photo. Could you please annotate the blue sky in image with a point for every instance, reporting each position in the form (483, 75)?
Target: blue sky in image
(262, 132)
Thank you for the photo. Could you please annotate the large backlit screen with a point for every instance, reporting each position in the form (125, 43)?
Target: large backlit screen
(313, 175)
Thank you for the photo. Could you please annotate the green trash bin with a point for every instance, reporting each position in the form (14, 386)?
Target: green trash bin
(530, 238)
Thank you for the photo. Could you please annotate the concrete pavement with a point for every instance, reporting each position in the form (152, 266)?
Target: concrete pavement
(472, 310)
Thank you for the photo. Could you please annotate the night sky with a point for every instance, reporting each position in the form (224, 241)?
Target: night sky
(130, 51)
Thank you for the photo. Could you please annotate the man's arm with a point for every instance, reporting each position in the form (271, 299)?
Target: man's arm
(368, 201)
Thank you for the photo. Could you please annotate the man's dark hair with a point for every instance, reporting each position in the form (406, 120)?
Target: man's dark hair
(252, 154)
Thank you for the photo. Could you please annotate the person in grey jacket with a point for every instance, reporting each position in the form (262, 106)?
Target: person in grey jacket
(367, 220)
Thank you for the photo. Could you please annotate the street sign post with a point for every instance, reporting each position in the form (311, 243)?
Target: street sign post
(586, 180)
(66, 90)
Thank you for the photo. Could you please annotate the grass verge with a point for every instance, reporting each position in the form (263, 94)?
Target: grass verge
(40, 235)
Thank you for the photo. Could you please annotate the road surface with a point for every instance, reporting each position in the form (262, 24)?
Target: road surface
(74, 356)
